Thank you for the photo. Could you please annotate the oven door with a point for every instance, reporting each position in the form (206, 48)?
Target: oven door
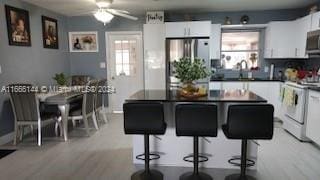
(313, 42)
(296, 113)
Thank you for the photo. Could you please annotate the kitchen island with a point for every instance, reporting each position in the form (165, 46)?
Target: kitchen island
(172, 148)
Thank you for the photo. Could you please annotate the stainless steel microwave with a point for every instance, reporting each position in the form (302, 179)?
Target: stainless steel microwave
(313, 43)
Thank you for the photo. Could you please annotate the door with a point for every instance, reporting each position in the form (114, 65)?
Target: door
(125, 66)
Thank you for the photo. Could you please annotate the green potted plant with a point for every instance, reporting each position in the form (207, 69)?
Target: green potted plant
(188, 70)
(61, 79)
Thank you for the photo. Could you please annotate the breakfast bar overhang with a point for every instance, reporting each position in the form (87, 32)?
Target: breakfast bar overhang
(173, 148)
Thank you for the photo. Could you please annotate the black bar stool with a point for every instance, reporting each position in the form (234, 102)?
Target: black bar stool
(247, 122)
(146, 119)
(196, 120)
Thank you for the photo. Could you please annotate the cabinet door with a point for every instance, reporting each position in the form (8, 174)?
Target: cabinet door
(313, 117)
(232, 85)
(303, 26)
(215, 85)
(199, 29)
(215, 41)
(154, 56)
(260, 88)
(315, 21)
(279, 42)
(176, 29)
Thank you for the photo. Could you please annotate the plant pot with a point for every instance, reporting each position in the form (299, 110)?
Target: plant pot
(189, 88)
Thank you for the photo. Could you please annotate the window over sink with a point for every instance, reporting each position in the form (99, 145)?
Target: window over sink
(237, 46)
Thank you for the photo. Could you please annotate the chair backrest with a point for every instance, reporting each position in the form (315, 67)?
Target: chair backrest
(100, 91)
(253, 121)
(79, 80)
(196, 120)
(144, 118)
(89, 97)
(24, 102)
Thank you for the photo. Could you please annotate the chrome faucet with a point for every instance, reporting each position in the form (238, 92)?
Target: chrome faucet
(241, 70)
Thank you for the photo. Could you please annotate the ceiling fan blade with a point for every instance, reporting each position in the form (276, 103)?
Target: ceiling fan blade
(122, 14)
(84, 13)
(118, 10)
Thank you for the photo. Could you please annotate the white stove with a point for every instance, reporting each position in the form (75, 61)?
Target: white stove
(295, 116)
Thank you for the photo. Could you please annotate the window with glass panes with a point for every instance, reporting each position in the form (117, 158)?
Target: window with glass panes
(125, 51)
(238, 46)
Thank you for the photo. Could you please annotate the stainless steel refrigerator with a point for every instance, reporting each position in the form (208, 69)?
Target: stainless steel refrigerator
(179, 48)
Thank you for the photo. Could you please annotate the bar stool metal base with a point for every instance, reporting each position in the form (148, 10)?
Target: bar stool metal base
(239, 177)
(143, 175)
(193, 176)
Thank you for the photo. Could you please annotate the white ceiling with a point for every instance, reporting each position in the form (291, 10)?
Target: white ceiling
(79, 7)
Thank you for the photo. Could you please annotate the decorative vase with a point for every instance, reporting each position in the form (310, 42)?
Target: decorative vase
(189, 87)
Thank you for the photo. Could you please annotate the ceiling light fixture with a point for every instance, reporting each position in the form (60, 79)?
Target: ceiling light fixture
(103, 3)
(103, 16)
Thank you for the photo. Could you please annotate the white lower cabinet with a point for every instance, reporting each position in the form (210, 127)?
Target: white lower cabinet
(233, 85)
(313, 116)
(266, 89)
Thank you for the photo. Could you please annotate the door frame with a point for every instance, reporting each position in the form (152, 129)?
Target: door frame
(107, 35)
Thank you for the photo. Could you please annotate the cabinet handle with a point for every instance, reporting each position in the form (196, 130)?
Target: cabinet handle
(314, 97)
(296, 52)
(271, 52)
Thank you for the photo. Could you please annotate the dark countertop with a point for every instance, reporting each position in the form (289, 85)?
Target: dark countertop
(246, 80)
(314, 88)
(230, 96)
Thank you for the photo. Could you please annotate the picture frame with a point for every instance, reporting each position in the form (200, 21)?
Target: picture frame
(50, 33)
(18, 26)
(86, 41)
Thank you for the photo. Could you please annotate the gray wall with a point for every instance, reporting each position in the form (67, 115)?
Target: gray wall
(89, 63)
(29, 64)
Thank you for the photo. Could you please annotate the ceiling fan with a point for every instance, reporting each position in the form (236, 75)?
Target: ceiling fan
(106, 14)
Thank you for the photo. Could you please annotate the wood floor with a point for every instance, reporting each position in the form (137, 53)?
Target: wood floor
(107, 155)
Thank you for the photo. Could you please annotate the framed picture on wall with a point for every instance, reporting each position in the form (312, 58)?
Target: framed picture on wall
(83, 41)
(18, 26)
(50, 33)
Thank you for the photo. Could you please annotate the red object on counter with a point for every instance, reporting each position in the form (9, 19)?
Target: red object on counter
(302, 74)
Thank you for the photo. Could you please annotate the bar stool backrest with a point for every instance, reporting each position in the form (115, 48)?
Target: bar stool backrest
(144, 118)
(196, 120)
(253, 121)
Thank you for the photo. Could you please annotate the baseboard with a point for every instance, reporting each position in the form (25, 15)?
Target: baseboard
(6, 138)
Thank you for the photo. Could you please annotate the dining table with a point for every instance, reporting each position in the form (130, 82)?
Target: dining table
(62, 100)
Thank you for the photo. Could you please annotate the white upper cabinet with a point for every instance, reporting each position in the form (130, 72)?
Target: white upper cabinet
(279, 41)
(176, 29)
(215, 41)
(199, 28)
(287, 39)
(315, 21)
(303, 26)
(188, 29)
